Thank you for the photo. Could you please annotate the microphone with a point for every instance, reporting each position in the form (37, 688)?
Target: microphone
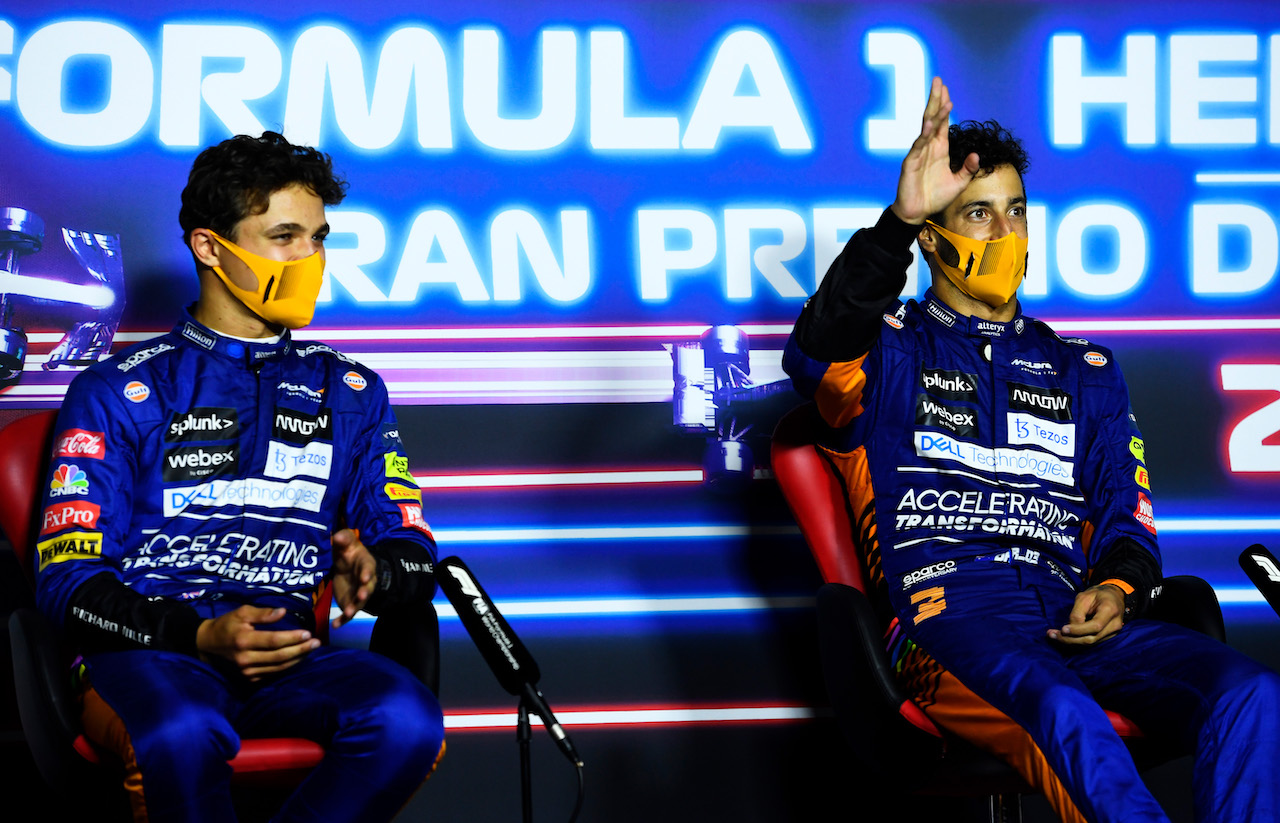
(1264, 570)
(510, 661)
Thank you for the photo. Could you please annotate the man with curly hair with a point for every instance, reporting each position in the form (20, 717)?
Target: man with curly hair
(998, 482)
(206, 486)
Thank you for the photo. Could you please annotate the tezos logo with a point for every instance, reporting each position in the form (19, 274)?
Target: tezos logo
(355, 380)
(1094, 358)
(136, 391)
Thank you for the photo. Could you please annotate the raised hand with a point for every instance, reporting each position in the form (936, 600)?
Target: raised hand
(927, 185)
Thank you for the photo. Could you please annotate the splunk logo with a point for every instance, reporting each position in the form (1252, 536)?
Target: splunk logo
(299, 494)
(1007, 461)
(203, 423)
(953, 385)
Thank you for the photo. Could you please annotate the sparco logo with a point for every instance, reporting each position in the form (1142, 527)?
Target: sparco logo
(198, 337)
(81, 443)
(320, 348)
(928, 573)
(193, 463)
(143, 356)
(203, 423)
(953, 385)
(1049, 403)
(301, 429)
(957, 420)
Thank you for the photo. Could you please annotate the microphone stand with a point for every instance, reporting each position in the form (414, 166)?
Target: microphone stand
(523, 735)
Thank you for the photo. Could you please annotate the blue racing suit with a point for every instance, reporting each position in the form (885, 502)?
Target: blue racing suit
(195, 473)
(994, 471)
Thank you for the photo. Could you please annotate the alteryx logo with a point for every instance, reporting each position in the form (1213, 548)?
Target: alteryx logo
(1005, 461)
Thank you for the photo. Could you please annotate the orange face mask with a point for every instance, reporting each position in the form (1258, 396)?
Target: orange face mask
(286, 292)
(987, 270)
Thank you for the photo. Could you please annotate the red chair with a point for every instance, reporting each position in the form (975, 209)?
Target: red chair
(46, 704)
(882, 725)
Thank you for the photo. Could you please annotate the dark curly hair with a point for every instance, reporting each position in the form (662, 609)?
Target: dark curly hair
(995, 145)
(236, 178)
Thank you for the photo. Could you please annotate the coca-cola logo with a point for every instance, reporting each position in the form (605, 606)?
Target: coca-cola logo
(81, 443)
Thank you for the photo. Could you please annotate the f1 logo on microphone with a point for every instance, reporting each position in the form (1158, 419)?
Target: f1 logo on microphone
(470, 589)
(1266, 564)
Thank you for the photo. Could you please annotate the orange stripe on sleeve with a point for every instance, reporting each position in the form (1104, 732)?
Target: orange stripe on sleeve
(839, 395)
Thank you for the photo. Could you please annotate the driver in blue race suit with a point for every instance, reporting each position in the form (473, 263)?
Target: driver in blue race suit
(204, 486)
(998, 484)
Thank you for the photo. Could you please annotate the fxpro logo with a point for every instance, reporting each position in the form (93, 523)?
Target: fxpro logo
(1009, 461)
(296, 494)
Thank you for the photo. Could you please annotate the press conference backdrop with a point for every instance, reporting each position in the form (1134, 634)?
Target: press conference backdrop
(550, 204)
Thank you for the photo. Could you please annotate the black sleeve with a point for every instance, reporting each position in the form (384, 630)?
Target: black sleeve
(105, 615)
(1130, 562)
(842, 319)
(405, 575)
